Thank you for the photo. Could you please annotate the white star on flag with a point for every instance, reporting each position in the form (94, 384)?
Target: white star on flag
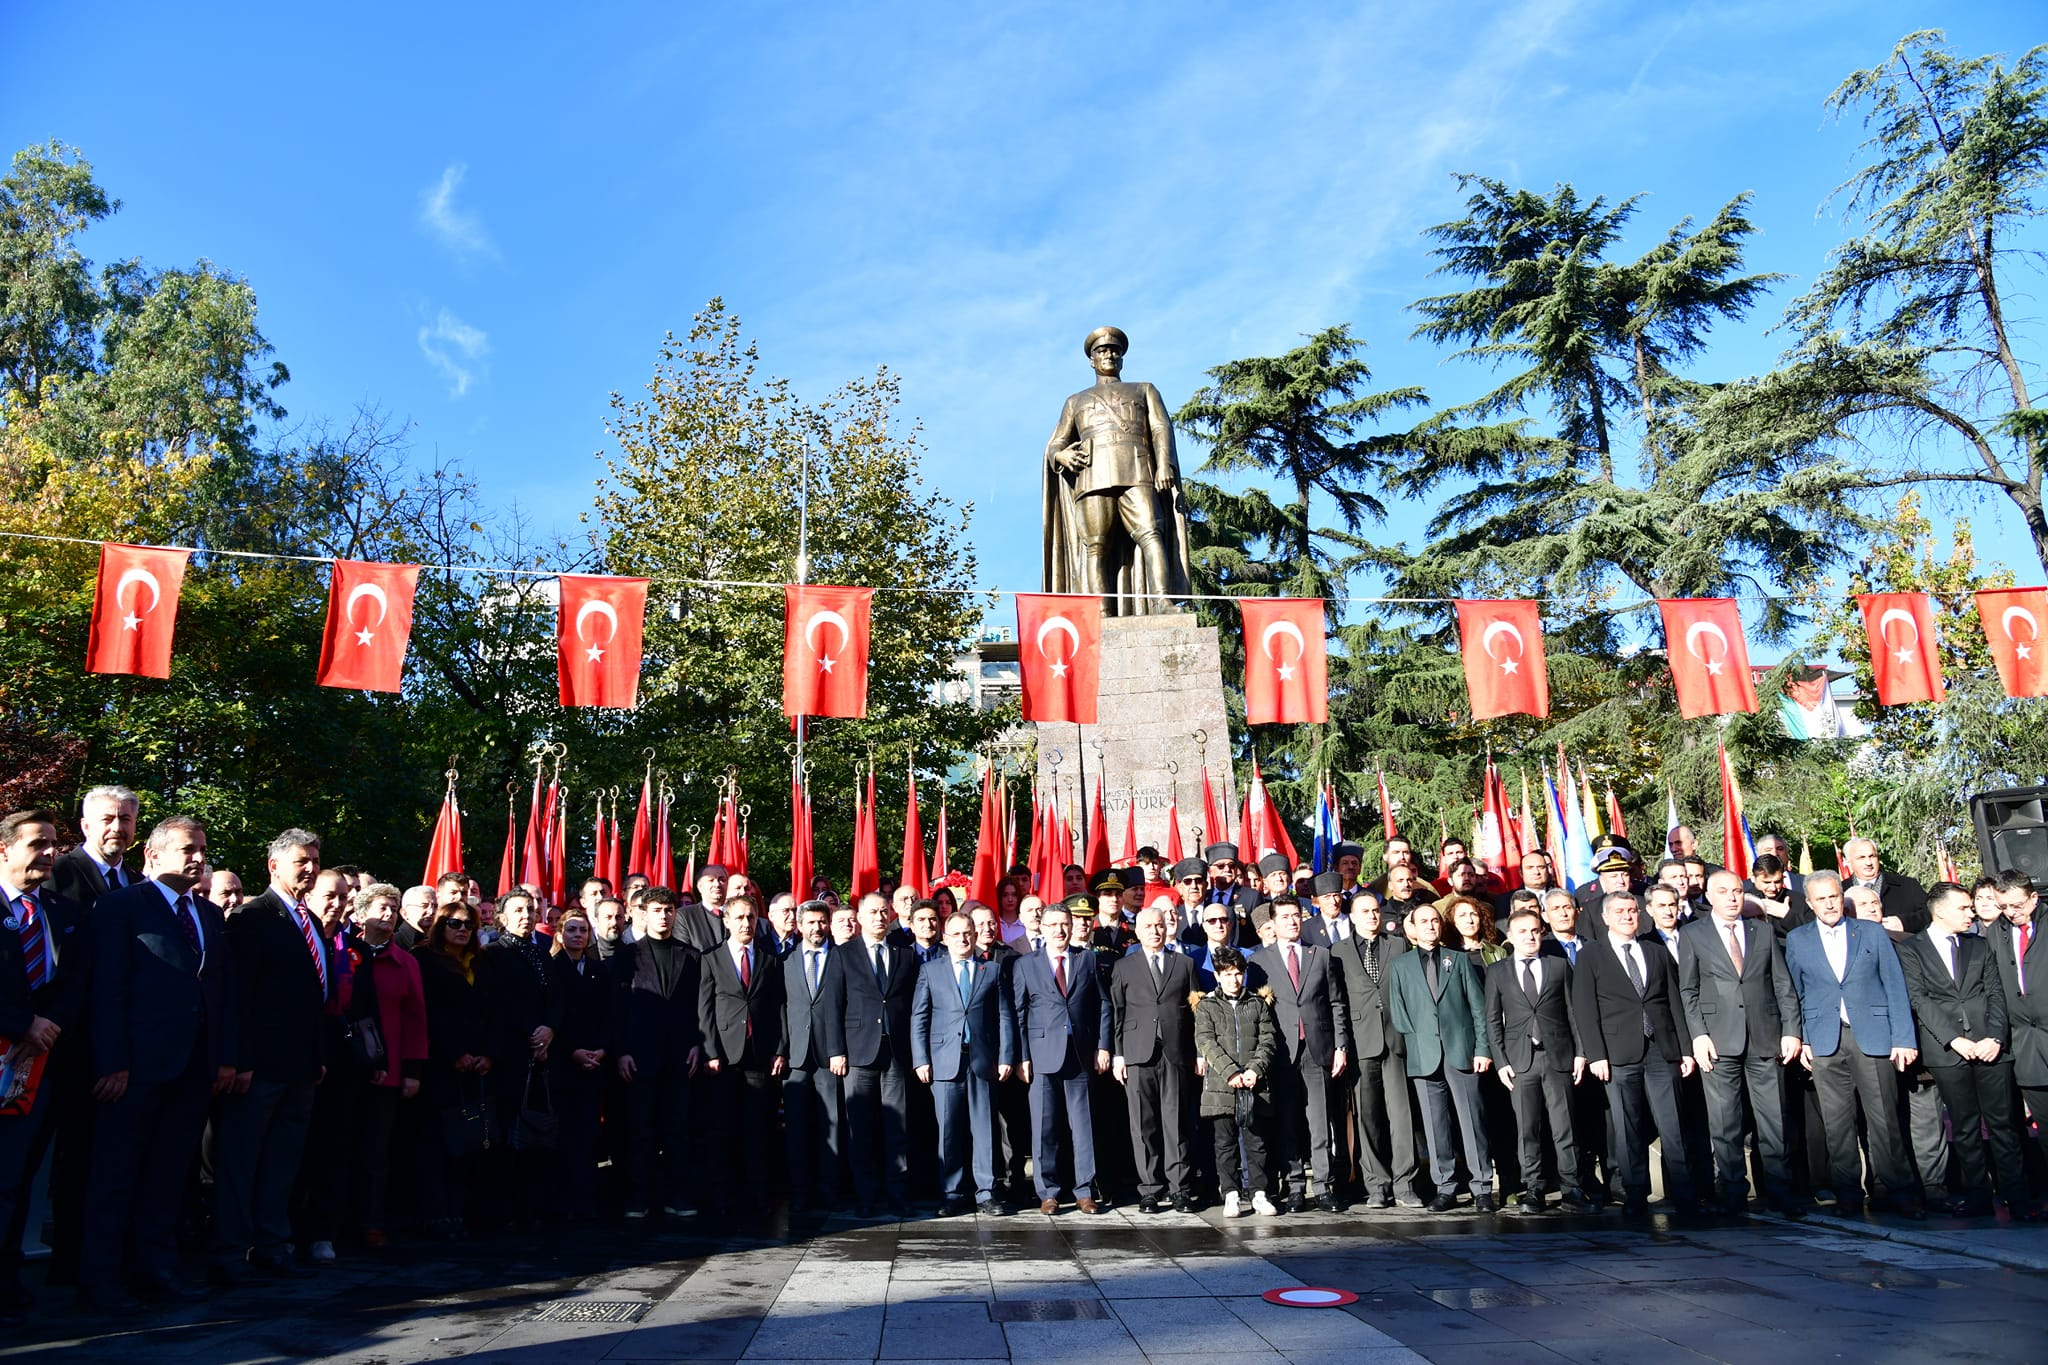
(131, 622)
(2023, 652)
(596, 653)
(1905, 656)
(825, 662)
(1508, 665)
(1059, 670)
(1714, 667)
(1286, 672)
(363, 637)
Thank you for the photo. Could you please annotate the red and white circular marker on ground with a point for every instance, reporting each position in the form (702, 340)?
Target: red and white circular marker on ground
(1310, 1297)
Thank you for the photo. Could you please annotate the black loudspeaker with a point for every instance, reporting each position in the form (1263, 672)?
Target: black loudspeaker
(2012, 831)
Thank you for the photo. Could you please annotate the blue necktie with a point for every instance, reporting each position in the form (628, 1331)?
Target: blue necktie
(966, 975)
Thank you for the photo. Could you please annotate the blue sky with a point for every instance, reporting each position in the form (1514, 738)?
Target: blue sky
(484, 218)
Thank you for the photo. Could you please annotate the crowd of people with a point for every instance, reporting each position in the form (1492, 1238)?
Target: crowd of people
(334, 1061)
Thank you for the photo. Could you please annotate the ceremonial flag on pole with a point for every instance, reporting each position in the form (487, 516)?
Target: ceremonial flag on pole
(1805, 857)
(1671, 822)
(600, 844)
(548, 839)
(369, 620)
(1214, 830)
(940, 858)
(508, 862)
(1286, 675)
(617, 875)
(1320, 852)
(1708, 656)
(1129, 856)
(1530, 842)
(663, 873)
(444, 850)
(2012, 627)
(1264, 831)
(912, 875)
(800, 855)
(1066, 845)
(597, 655)
(987, 844)
(1737, 851)
(1502, 644)
(1009, 826)
(1096, 859)
(1175, 851)
(643, 836)
(1615, 824)
(825, 650)
(558, 871)
(1590, 803)
(531, 868)
(740, 847)
(1387, 825)
(1903, 663)
(133, 610)
(1577, 869)
(867, 858)
(1555, 835)
(1059, 652)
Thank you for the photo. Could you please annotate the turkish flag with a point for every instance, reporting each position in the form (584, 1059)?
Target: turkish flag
(134, 609)
(1709, 659)
(1286, 677)
(1901, 630)
(598, 639)
(825, 650)
(369, 621)
(1503, 648)
(1059, 646)
(2012, 626)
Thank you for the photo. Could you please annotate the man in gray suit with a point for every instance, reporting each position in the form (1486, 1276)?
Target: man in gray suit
(811, 1036)
(1386, 1120)
(1744, 1020)
(1439, 1007)
(963, 1039)
(1064, 1017)
(1312, 1035)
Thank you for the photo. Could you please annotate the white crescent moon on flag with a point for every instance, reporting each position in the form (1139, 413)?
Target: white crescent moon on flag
(137, 576)
(2005, 622)
(1502, 628)
(1896, 613)
(830, 618)
(1057, 625)
(1699, 628)
(369, 590)
(1282, 628)
(597, 606)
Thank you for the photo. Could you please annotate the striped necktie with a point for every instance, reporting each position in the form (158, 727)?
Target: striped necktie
(35, 944)
(312, 945)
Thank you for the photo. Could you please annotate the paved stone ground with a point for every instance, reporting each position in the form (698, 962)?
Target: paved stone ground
(1126, 1287)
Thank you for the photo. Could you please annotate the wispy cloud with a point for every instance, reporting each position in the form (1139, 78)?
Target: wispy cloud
(458, 230)
(456, 349)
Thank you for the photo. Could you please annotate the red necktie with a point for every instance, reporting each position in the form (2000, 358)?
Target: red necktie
(747, 982)
(1059, 972)
(1294, 975)
(35, 945)
(313, 946)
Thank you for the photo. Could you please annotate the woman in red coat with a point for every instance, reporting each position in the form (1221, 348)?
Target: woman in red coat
(385, 992)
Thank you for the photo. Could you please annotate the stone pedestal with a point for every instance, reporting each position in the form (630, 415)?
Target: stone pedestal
(1162, 681)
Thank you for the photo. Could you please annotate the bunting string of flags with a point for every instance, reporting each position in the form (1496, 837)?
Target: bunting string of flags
(601, 619)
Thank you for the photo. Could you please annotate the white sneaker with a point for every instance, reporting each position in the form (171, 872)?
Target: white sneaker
(322, 1253)
(1231, 1208)
(1261, 1204)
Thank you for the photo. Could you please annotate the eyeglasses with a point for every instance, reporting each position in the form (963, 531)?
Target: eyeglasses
(1190, 881)
(1216, 921)
(459, 923)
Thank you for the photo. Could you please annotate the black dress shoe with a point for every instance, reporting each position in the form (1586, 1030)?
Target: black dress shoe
(1148, 1205)
(1328, 1202)
(1576, 1201)
(1183, 1203)
(1483, 1203)
(996, 1208)
(1443, 1203)
(163, 1289)
(953, 1208)
(1636, 1204)
(1532, 1203)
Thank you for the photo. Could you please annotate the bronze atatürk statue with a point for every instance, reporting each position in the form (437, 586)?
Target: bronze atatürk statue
(1116, 524)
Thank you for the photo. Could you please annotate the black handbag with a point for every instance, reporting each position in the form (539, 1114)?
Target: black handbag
(537, 1129)
(366, 1044)
(466, 1124)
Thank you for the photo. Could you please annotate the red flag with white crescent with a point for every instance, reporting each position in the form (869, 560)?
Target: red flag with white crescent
(133, 610)
(1502, 643)
(825, 650)
(1286, 674)
(913, 873)
(2013, 618)
(508, 862)
(598, 644)
(369, 621)
(1902, 658)
(1059, 649)
(1174, 849)
(444, 850)
(1709, 658)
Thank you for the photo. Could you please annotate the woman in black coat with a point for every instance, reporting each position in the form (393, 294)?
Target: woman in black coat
(523, 997)
(582, 991)
(461, 1034)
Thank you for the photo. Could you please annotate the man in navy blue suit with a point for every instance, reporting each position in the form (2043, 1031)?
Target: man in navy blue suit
(963, 1039)
(1065, 1019)
(163, 1040)
(1857, 1023)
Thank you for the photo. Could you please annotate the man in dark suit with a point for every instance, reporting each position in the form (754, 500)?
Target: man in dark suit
(812, 1034)
(284, 977)
(1960, 1003)
(1385, 1118)
(702, 925)
(1439, 1006)
(163, 1044)
(98, 865)
(1189, 881)
(963, 1039)
(873, 996)
(2023, 971)
(1744, 1022)
(1154, 1059)
(740, 1015)
(1536, 1054)
(1064, 1021)
(1331, 923)
(1625, 1003)
(1312, 1035)
(658, 1047)
(44, 965)
(1903, 900)
(1858, 1028)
